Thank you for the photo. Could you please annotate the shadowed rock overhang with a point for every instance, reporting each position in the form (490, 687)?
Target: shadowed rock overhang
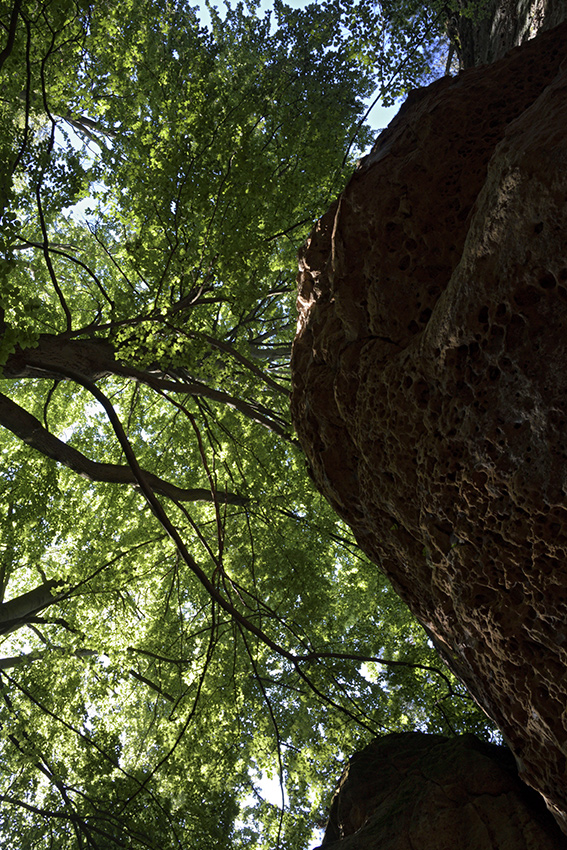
(408, 790)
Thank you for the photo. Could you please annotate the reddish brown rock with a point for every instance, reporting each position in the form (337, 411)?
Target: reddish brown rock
(430, 381)
(412, 791)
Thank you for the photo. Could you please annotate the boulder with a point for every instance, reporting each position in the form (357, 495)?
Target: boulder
(430, 381)
(411, 791)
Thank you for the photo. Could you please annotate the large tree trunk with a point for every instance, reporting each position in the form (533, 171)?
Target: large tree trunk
(430, 381)
(500, 25)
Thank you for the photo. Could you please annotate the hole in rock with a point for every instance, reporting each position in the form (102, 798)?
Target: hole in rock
(547, 281)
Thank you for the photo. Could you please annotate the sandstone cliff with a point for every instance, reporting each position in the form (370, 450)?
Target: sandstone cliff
(412, 791)
(430, 381)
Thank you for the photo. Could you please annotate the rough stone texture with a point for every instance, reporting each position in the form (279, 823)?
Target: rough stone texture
(501, 25)
(430, 381)
(412, 791)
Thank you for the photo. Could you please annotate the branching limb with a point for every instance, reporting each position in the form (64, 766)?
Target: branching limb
(168, 526)
(221, 345)
(256, 412)
(62, 251)
(16, 612)
(18, 660)
(30, 430)
(345, 656)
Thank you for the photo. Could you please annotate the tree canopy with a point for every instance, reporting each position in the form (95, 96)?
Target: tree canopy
(181, 612)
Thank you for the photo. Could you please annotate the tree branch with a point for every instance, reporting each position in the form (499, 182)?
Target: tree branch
(11, 32)
(221, 345)
(168, 526)
(95, 358)
(257, 412)
(346, 656)
(31, 431)
(15, 612)
(16, 660)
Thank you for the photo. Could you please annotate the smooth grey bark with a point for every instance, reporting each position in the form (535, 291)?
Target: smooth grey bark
(9, 662)
(15, 612)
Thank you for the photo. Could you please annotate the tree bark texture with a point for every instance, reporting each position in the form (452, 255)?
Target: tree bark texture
(500, 25)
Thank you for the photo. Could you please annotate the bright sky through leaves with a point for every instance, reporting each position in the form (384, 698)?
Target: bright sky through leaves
(378, 118)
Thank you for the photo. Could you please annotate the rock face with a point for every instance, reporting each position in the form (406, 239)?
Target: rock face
(430, 381)
(412, 791)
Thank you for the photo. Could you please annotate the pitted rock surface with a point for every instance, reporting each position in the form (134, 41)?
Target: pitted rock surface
(430, 381)
(412, 791)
